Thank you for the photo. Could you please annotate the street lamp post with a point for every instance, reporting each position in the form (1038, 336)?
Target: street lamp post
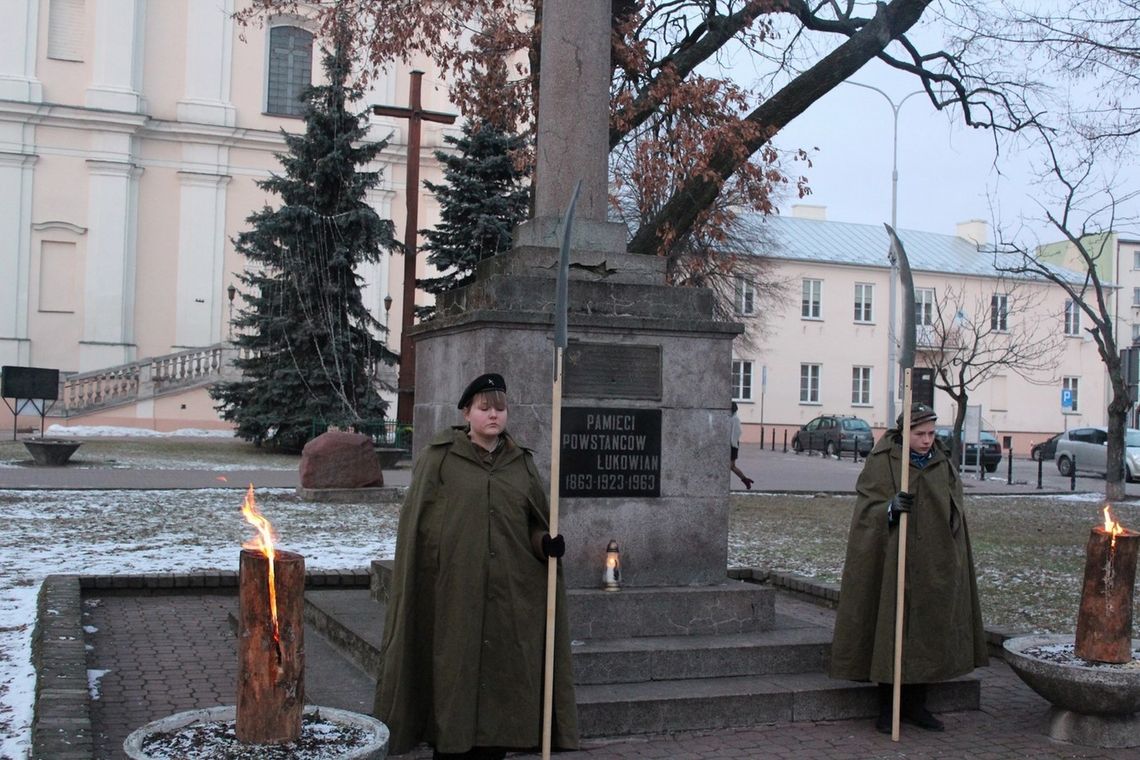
(892, 343)
(231, 291)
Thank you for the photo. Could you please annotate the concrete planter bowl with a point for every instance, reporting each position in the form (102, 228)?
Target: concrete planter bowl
(374, 746)
(1094, 704)
(51, 452)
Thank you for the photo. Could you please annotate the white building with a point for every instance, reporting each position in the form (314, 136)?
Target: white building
(131, 135)
(826, 348)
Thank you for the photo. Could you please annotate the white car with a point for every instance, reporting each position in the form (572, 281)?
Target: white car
(1086, 450)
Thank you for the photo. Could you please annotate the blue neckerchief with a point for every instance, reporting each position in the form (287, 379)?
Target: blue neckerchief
(921, 460)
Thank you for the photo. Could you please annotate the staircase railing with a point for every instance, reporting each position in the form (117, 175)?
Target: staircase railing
(154, 376)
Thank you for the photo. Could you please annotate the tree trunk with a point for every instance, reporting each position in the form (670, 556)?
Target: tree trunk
(271, 670)
(1104, 623)
(1118, 407)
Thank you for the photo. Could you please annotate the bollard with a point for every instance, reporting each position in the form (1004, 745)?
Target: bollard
(1073, 475)
(1040, 461)
(1009, 453)
(774, 439)
(761, 437)
(785, 440)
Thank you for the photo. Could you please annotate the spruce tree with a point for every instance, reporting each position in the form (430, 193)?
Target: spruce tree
(481, 201)
(309, 347)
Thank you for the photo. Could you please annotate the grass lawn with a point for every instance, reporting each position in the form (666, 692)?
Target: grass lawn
(1029, 552)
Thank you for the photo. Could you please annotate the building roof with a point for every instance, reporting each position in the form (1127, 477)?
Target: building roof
(865, 245)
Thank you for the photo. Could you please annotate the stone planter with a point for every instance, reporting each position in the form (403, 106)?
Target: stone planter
(51, 452)
(389, 457)
(373, 747)
(1094, 704)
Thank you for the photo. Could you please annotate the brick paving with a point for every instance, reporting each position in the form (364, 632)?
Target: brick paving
(163, 654)
(169, 652)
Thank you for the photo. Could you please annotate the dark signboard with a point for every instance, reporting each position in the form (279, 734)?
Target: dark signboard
(613, 370)
(610, 452)
(922, 386)
(29, 383)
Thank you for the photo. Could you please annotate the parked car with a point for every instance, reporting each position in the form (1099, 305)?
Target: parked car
(990, 448)
(1046, 450)
(833, 434)
(1087, 449)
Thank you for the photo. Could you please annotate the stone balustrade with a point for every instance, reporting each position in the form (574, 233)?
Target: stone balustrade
(150, 377)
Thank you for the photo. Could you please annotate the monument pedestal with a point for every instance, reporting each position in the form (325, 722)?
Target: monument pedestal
(638, 349)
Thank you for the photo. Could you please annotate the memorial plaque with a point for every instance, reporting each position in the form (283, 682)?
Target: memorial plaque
(610, 452)
(612, 370)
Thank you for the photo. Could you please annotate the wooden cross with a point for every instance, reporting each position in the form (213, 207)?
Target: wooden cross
(415, 114)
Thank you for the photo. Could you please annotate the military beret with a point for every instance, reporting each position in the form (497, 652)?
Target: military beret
(488, 382)
(919, 412)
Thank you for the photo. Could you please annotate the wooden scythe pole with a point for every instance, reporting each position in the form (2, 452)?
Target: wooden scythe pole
(560, 341)
(900, 589)
(906, 362)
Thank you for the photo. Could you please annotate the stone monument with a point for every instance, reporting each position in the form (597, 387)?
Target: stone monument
(646, 391)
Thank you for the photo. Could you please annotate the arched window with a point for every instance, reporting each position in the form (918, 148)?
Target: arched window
(290, 69)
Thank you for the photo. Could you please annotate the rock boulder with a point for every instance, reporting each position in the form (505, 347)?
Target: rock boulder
(340, 460)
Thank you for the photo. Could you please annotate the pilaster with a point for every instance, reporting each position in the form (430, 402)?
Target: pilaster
(200, 290)
(18, 35)
(117, 67)
(109, 276)
(16, 175)
(374, 275)
(209, 62)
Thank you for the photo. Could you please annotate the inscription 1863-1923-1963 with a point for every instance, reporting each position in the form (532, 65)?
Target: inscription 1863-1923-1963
(610, 452)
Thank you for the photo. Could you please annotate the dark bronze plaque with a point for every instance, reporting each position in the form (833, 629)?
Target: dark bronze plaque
(610, 452)
(612, 370)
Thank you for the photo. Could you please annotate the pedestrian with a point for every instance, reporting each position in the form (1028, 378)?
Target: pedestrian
(734, 442)
(943, 636)
(464, 637)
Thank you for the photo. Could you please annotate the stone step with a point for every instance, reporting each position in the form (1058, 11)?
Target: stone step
(668, 683)
(716, 703)
(352, 621)
(731, 607)
(785, 649)
(355, 623)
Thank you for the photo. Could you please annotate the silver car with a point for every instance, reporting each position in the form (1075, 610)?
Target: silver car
(1086, 450)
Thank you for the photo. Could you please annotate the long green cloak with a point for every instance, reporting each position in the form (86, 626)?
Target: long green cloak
(942, 621)
(465, 630)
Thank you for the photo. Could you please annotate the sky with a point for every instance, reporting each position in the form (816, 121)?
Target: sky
(947, 172)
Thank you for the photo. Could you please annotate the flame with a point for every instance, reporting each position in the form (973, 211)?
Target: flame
(1111, 526)
(262, 542)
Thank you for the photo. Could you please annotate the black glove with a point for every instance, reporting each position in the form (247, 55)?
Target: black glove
(553, 546)
(902, 502)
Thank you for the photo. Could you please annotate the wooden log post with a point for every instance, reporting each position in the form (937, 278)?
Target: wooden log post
(271, 670)
(1104, 623)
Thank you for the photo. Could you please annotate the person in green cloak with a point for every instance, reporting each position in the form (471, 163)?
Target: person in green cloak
(943, 636)
(464, 635)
